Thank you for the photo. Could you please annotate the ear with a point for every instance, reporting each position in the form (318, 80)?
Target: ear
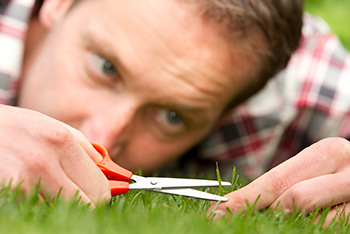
(52, 10)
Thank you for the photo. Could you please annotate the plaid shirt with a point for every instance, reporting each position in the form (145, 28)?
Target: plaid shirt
(14, 16)
(308, 101)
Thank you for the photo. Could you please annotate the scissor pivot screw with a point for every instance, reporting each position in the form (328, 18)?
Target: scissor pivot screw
(153, 182)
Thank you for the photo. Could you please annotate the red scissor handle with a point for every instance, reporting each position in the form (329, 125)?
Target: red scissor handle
(118, 187)
(119, 177)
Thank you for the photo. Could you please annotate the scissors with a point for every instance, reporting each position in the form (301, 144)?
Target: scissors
(120, 177)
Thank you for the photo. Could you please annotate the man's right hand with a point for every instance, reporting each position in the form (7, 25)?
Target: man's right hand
(35, 147)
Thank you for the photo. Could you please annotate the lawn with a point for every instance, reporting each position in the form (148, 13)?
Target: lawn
(145, 212)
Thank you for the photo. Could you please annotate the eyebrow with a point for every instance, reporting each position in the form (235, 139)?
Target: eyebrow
(94, 41)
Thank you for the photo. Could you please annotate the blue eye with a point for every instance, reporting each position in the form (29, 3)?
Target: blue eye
(105, 66)
(169, 121)
(173, 118)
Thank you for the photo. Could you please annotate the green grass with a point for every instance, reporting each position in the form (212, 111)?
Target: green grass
(145, 212)
(336, 13)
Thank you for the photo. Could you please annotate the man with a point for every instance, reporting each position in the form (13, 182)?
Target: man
(146, 79)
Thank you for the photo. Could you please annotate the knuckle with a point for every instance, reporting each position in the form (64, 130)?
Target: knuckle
(36, 164)
(57, 134)
(336, 147)
(295, 198)
(279, 182)
(335, 144)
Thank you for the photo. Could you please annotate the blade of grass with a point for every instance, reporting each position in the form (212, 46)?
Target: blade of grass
(219, 192)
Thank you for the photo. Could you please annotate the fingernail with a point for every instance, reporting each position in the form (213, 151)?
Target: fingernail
(218, 214)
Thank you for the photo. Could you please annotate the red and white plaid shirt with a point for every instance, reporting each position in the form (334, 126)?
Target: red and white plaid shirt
(308, 101)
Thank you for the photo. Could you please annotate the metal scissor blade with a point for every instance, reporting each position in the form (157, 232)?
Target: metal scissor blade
(152, 183)
(192, 193)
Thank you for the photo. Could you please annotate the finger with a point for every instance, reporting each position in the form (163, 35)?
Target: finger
(77, 164)
(85, 144)
(49, 187)
(52, 180)
(337, 213)
(318, 192)
(83, 172)
(62, 185)
(324, 157)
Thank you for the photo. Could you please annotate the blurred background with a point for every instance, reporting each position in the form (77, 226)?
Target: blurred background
(336, 13)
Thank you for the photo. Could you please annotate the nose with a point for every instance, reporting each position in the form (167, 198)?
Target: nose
(110, 126)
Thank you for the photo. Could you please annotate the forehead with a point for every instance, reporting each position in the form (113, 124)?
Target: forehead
(168, 38)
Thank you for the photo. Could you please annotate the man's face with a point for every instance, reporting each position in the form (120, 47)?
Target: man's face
(145, 78)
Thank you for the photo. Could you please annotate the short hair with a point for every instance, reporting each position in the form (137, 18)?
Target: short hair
(277, 22)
